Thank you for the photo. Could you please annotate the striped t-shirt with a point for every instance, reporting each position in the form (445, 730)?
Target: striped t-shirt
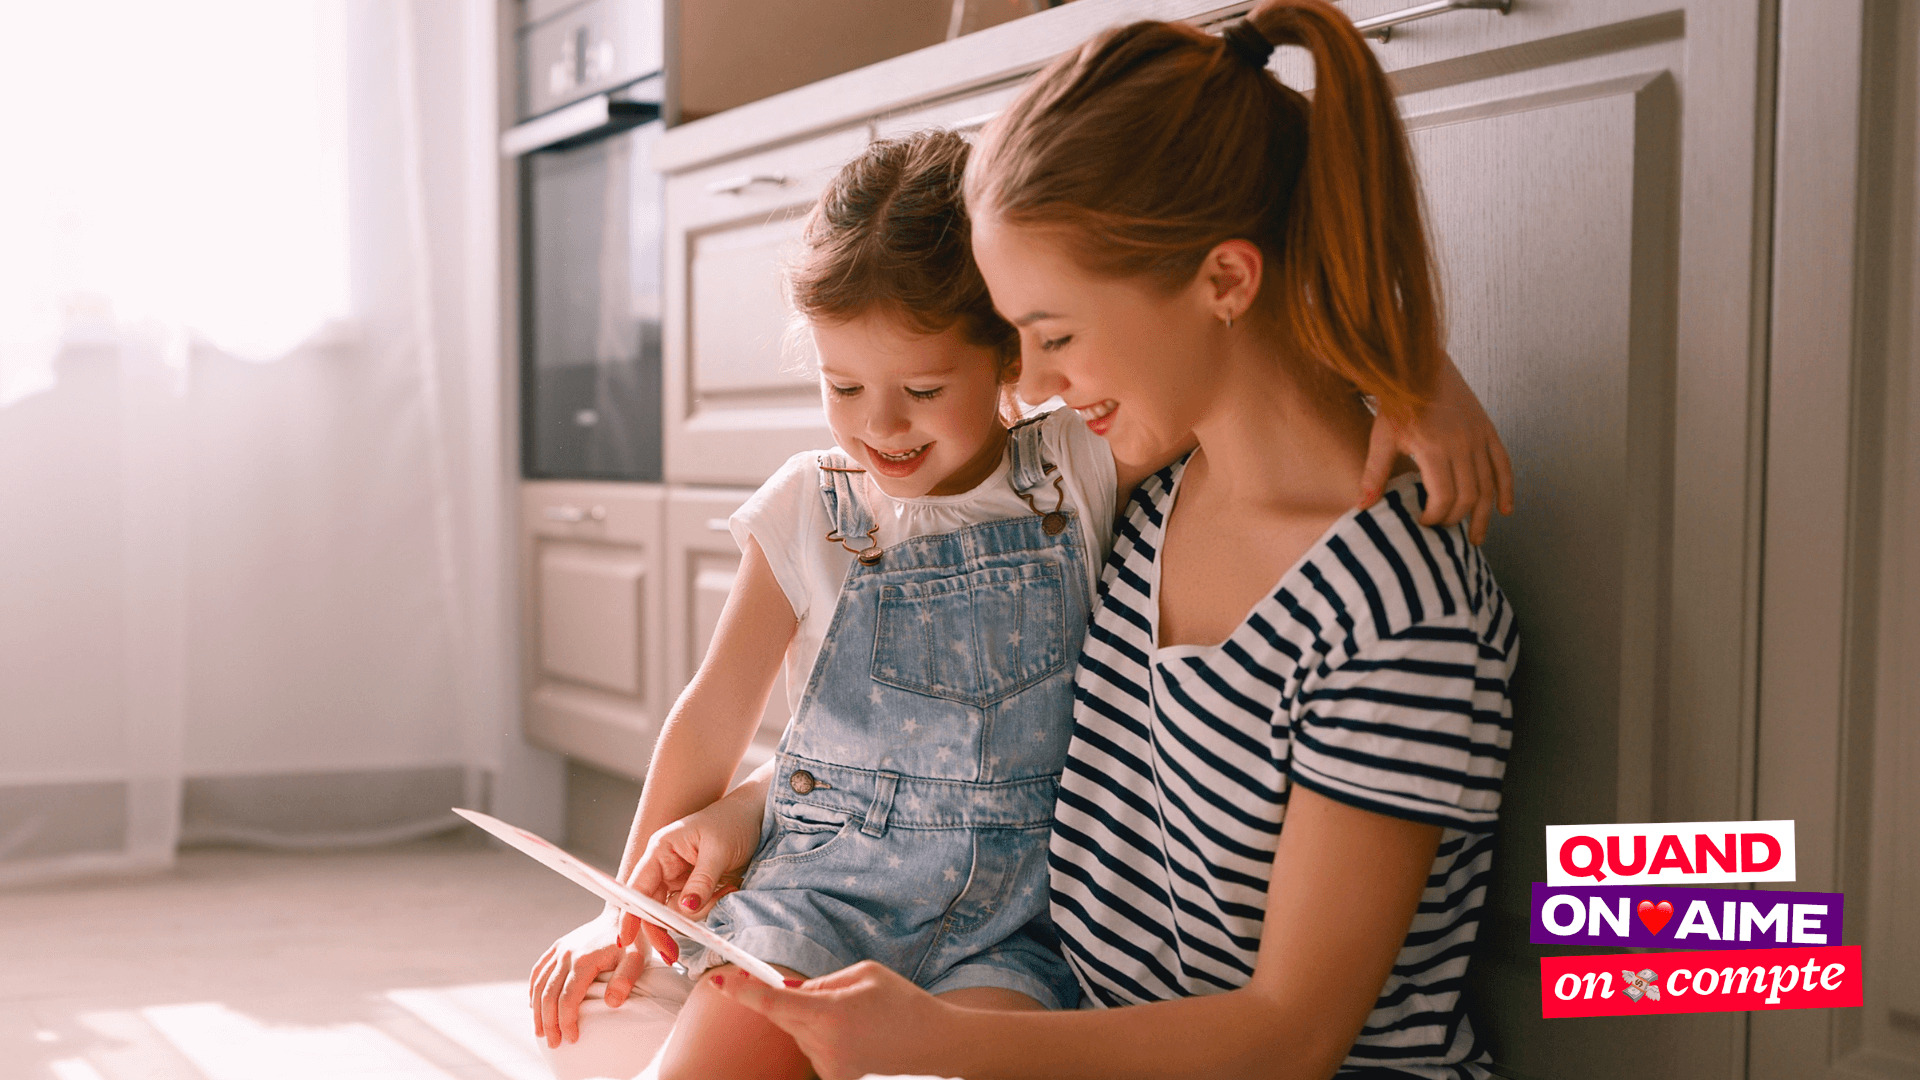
(1375, 673)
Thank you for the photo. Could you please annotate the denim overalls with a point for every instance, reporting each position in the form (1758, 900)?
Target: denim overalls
(913, 796)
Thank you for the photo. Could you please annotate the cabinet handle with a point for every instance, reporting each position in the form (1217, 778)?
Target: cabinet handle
(1381, 26)
(739, 184)
(574, 514)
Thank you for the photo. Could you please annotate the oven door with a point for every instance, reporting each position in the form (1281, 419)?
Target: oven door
(590, 317)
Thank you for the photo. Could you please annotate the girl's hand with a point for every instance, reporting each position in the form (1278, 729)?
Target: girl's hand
(693, 862)
(567, 969)
(1459, 454)
(858, 1020)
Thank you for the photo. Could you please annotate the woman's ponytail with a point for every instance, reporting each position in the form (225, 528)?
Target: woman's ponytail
(1358, 280)
(1156, 141)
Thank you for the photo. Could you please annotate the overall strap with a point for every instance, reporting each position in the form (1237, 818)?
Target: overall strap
(847, 516)
(1027, 467)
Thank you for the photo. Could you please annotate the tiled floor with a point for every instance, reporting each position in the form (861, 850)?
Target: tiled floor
(406, 963)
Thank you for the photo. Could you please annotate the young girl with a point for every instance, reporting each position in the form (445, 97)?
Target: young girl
(927, 586)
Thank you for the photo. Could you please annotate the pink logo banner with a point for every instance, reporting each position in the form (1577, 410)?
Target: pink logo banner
(1636, 984)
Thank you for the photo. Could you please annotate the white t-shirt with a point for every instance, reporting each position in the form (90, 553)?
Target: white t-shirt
(789, 520)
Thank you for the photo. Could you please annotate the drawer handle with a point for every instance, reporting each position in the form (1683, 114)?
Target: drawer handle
(574, 514)
(1381, 26)
(739, 184)
(718, 525)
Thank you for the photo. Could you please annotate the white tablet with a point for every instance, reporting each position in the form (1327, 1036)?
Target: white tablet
(620, 896)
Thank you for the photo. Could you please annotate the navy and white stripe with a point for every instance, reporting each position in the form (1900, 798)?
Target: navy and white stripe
(1376, 674)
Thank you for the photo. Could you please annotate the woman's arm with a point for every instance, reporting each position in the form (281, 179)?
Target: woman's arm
(1346, 883)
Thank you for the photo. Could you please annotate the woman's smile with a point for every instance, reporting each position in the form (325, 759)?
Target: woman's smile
(1098, 416)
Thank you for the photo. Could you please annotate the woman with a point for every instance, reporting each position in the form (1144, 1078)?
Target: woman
(1192, 250)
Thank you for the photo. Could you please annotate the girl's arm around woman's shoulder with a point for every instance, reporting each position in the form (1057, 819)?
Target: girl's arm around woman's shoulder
(1316, 980)
(1452, 442)
(1457, 450)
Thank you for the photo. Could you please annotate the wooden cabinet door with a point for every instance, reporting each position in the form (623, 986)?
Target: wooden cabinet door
(1839, 671)
(1590, 174)
(702, 561)
(591, 602)
(738, 398)
(966, 113)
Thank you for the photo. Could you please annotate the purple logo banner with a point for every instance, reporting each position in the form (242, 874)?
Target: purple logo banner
(1676, 917)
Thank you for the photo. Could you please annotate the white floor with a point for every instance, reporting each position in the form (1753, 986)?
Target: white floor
(406, 963)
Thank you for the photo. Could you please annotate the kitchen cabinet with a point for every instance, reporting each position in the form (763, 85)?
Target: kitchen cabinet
(622, 587)
(1592, 211)
(702, 562)
(592, 613)
(968, 112)
(739, 400)
(729, 52)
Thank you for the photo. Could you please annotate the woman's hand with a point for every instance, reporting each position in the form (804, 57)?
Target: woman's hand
(695, 861)
(858, 1020)
(1459, 454)
(567, 969)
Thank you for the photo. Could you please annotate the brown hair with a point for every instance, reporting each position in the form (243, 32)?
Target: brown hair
(890, 233)
(1154, 142)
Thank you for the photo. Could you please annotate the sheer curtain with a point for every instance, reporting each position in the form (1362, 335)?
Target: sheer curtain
(251, 455)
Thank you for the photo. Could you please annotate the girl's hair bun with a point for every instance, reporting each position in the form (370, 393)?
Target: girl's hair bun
(890, 233)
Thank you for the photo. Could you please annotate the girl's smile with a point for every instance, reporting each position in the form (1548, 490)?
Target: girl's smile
(918, 411)
(901, 464)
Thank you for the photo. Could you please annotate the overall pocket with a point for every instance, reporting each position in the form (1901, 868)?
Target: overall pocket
(974, 638)
(799, 840)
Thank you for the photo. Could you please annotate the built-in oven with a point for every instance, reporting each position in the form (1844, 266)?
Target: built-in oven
(590, 239)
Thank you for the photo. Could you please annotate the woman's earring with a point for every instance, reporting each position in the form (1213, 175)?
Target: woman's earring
(1229, 322)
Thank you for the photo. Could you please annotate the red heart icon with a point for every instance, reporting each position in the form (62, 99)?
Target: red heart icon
(1655, 916)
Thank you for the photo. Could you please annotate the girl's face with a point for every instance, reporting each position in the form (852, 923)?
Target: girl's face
(920, 412)
(1123, 354)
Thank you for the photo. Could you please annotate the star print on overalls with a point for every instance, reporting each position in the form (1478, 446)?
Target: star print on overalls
(885, 788)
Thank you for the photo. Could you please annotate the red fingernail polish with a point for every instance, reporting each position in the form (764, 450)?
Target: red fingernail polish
(719, 980)
(690, 903)
(794, 982)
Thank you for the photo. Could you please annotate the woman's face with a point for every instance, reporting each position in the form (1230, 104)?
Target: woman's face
(1130, 358)
(920, 412)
